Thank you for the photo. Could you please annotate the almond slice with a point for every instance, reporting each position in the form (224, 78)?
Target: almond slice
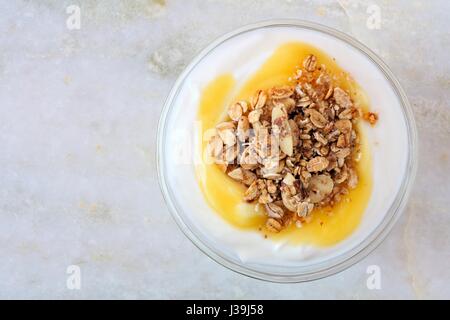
(226, 133)
(289, 179)
(243, 128)
(248, 177)
(235, 111)
(215, 147)
(259, 99)
(281, 125)
(237, 174)
(252, 192)
(254, 116)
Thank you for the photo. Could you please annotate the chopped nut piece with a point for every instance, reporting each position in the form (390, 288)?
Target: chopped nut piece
(324, 150)
(265, 197)
(248, 177)
(341, 142)
(329, 93)
(287, 103)
(230, 154)
(280, 124)
(254, 116)
(271, 168)
(259, 99)
(243, 129)
(320, 138)
(289, 201)
(271, 186)
(228, 137)
(248, 159)
(226, 133)
(252, 192)
(237, 174)
(289, 179)
(244, 105)
(215, 147)
(332, 136)
(235, 111)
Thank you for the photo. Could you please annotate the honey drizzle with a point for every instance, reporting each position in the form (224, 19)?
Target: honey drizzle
(328, 226)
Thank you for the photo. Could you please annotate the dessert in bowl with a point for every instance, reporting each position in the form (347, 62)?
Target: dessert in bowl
(332, 140)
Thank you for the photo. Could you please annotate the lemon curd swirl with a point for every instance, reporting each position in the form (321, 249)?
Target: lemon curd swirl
(328, 226)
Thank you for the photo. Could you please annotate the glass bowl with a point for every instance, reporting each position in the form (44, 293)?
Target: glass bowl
(396, 160)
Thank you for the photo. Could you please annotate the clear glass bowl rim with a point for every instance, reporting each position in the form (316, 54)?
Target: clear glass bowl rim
(331, 266)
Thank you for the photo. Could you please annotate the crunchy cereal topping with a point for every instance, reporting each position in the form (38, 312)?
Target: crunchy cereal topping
(293, 146)
(273, 225)
(310, 63)
(317, 164)
(259, 99)
(371, 117)
(342, 98)
(236, 109)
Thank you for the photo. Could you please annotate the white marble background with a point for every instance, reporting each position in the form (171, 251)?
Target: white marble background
(78, 116)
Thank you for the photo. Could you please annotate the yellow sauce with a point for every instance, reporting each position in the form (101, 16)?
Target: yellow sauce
(328, 225)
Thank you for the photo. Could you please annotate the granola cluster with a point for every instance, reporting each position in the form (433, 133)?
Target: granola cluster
(293, 146)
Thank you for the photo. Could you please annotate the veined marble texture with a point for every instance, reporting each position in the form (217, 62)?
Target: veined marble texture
(78, 117)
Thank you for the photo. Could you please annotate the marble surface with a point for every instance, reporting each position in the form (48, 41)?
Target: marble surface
(78, 116)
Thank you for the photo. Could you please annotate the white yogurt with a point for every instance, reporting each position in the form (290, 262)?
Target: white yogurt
(241, 56)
